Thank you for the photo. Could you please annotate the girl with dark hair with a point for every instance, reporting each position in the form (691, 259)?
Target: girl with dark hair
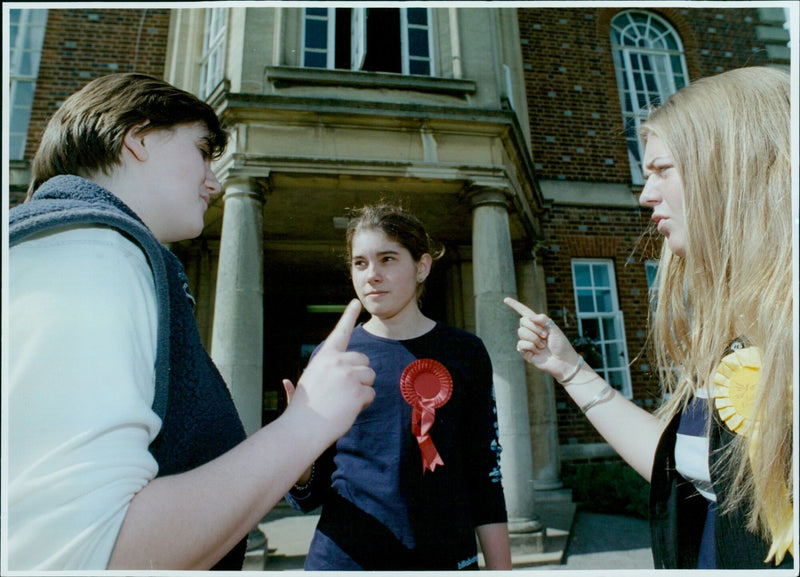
(418, 475)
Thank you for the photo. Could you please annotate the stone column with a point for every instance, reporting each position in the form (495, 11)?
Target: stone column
(494, 279)
(542, 402)
(237, 340)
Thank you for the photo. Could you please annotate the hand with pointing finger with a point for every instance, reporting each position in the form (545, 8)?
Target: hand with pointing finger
(542, 343)
(337, 384)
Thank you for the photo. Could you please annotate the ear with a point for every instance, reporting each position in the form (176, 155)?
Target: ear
(133, 142)
(424, 267)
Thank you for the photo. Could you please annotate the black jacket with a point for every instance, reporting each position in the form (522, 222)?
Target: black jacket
(678, 513)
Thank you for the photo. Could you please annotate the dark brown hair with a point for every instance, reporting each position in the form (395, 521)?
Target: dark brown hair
(399, 225)
(86, 134)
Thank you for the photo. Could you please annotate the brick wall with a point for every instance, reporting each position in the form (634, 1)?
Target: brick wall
(622, 237)
(576, 133)
(574, 108)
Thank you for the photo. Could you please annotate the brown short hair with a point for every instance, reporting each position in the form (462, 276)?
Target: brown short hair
(86, 133)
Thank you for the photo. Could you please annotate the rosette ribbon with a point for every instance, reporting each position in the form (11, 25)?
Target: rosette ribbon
(426, 385)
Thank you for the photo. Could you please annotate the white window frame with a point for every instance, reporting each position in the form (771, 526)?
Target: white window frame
(639, 36)
(614, 316)
(212, 64)
(330, 19)
(358, 39)
(31, 25)
(405, 43)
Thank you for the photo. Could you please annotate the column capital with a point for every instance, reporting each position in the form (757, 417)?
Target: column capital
(256, 188)
(487, 194)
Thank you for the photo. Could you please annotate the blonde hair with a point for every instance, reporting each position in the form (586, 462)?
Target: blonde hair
(729, 138)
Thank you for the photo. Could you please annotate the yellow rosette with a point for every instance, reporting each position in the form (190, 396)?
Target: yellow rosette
(735, 393)
(735, 388)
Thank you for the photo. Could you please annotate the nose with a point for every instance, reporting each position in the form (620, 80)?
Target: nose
(373, 274)
(212, 184)
(649, 196)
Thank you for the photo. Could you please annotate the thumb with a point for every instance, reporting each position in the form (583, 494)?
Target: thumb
(289, 388)
(340, 335)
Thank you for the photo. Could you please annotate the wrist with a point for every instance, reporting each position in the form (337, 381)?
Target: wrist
(571, 373)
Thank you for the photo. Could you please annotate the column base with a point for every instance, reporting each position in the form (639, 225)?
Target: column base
(526, 537)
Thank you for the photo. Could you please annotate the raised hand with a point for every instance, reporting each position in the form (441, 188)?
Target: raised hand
(336, 385)
(542, 343)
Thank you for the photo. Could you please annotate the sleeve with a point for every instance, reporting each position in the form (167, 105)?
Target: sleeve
(483, 443)
(314, 493)
(82, 320)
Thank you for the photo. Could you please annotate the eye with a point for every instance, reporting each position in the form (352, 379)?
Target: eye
(359, 263)
(660, 170)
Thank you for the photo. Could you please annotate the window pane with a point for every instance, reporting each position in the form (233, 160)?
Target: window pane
(317, 11)
(615, 379)
(582, 275)
(604, 301)
(610, 329)
(590, 329)
(601, 275)
(316, 59)
(35, 37)
(19, 119)
(421, 67)
(316, 34)
(23, 93)
(614, 356)
(418, 42)
(417, 16)
(585, 301)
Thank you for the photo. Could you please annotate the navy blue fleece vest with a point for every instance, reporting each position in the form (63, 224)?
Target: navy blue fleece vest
(200, 421)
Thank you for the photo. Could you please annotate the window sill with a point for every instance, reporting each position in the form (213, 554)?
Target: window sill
(283, 76)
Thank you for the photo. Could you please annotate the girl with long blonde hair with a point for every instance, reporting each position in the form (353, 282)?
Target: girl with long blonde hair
(718, 452)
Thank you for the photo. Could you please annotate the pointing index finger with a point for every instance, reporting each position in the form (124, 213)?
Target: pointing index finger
(340, 335)
(520, 308)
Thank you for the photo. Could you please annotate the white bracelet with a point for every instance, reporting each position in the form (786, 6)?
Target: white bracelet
(574, 372)
(597, 398)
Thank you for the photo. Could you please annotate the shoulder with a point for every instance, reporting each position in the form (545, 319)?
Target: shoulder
(86, 269)
(458, 336)
(81, 243)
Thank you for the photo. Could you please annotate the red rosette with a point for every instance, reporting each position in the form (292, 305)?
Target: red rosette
(426, 385)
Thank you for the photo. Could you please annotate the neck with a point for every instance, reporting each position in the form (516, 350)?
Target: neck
(400, 327)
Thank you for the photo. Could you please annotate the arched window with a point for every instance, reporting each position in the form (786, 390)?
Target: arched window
(650, 65)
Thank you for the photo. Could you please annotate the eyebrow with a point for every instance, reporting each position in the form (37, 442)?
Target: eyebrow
(382, 253)
(662, 158)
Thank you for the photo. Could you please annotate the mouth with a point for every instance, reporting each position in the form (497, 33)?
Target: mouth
(375, 293)
(206, 200)
(659, 220)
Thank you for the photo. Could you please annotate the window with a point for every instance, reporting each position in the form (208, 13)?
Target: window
(213, 63)
(26, 36)
(600, 320)
(397, 40)
(651, 270)
(650, 66)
